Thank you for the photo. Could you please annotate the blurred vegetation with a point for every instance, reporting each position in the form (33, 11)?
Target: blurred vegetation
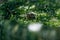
(14, 18)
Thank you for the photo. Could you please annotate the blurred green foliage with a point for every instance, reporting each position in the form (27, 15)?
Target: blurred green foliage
(46, 12)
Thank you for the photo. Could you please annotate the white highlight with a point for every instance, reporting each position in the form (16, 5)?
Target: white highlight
(35, 27)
